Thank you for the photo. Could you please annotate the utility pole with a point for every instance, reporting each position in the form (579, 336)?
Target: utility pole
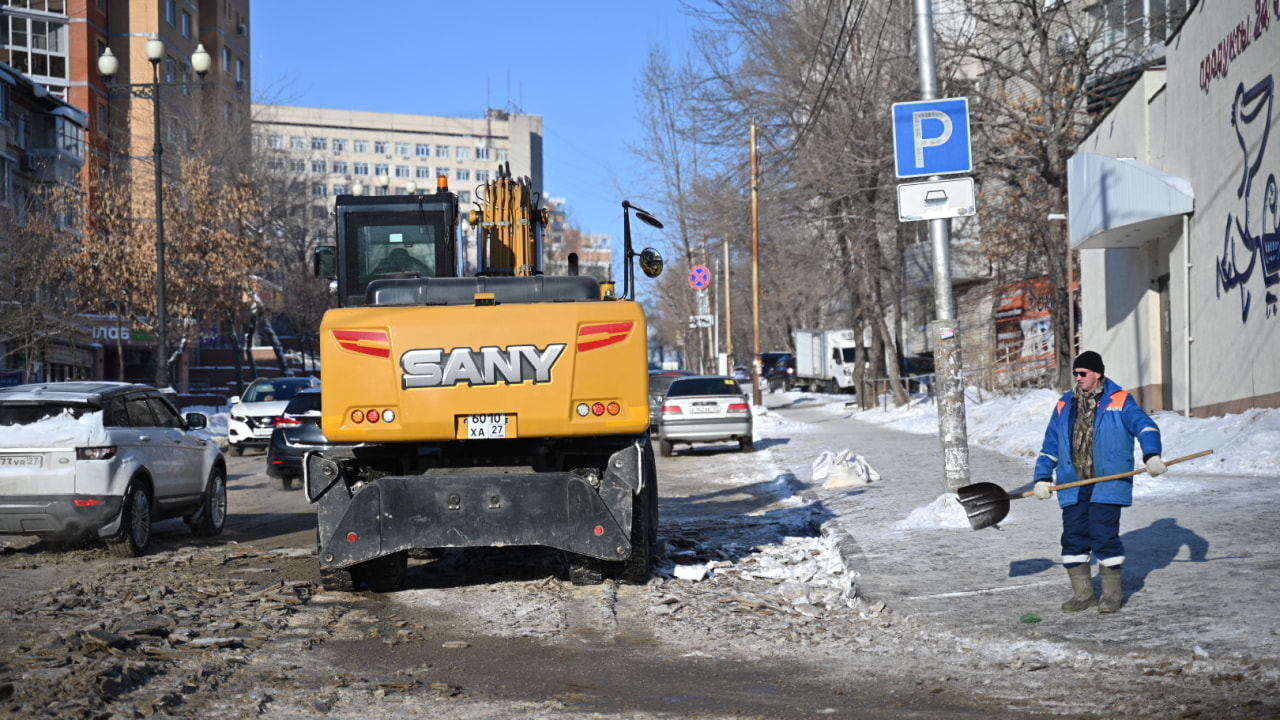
(728, 314)
(947, 366)
(755, 271)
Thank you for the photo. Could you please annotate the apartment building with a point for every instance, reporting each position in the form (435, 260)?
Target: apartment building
(336, 152)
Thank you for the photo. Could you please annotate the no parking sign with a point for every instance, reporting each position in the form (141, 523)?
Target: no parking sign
(700, 277)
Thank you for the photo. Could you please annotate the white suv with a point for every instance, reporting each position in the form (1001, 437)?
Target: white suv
(253, 415)
(105, 459)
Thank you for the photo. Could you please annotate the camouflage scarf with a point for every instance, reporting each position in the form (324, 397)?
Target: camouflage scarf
(1082, 432)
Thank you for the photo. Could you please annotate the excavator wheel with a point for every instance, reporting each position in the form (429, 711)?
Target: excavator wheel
(585, 570)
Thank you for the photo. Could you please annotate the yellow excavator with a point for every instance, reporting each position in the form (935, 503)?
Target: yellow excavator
(505, 407)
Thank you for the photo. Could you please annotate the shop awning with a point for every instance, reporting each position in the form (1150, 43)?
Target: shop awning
(1122, 203)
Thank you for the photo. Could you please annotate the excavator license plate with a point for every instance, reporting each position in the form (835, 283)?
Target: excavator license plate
(485, 426)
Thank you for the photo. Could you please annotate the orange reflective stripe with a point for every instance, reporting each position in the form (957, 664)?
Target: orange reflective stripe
(1061, 404)
(1117, 400)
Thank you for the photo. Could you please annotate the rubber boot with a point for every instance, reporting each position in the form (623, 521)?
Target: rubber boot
(1112, 593)
(1082, 585)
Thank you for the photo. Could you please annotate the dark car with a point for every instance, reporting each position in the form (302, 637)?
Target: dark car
(659, 381)
(778, 370)
(297, 430)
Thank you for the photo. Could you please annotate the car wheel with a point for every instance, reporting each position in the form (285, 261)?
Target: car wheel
(237, 450)
(134, 535)
(212, 515)
(746, 445)
(585, 570)
(664, 448)
(285, 482)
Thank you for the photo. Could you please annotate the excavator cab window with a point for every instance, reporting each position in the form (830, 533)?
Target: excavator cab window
(382, 245)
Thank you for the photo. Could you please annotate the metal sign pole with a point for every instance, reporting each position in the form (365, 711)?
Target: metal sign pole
(951, 417)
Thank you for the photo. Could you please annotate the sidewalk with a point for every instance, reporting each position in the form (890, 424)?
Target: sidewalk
(1201, 580)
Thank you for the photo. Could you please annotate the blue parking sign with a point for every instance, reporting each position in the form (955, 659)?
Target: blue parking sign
(931, 137)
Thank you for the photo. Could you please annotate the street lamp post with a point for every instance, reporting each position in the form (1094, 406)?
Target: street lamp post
(108, 65)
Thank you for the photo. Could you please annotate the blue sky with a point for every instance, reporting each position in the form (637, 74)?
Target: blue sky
(574, 62)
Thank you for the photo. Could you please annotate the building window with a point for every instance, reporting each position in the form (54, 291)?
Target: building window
(381, 169)
(482, 176)
(463, 153)
(170, 10)
(464, 197)
(442, 151)
(423, 172)
(402, 149)
(239, 71)
(319, 166)
(276, 164)
(37, 48)
(380, 190)
(340, 167)
(298, 166)
(339, 189)
(186, 24)
(380, 147)
(464, 174)
(275, 142)
(360, 146)
(402, 171)
(482, 153)
(102, 112)
(319, 190)
(422, 150)
(297, 142)
(319, 143)
(339, 145)
(442, 172)
(170, 70)
(360, 169)
(226, 59)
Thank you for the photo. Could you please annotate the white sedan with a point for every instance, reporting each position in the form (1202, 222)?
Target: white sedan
(704, 408)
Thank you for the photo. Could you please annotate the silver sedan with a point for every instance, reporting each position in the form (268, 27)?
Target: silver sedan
(704, 409)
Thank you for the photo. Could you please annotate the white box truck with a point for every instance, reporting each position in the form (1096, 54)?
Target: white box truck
(825, 359)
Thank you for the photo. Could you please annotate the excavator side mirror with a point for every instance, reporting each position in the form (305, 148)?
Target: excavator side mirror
(647, 219)
(651, 260)
(325, 262)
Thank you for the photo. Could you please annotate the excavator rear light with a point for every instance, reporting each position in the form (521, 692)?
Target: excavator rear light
(372, 416)
(357, 416)
(597, 409)
(583, 409)
(388, 415)
(614, 408)
(352, 537)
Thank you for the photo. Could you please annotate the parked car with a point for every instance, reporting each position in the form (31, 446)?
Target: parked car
(659, 381)
(704, 408)
(105, 460)
(779, 370)
(297, 430)
(253, 414)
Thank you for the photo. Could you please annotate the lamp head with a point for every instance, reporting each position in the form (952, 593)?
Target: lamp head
(200, 61)
(154, 49)
(108, 64)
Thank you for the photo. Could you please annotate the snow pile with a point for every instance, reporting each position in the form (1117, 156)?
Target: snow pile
(61, 431)
(945, 513)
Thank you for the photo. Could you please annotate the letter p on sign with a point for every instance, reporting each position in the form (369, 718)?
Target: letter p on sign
(931, 137)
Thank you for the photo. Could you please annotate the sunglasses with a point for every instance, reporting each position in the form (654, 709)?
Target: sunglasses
(1082, 373)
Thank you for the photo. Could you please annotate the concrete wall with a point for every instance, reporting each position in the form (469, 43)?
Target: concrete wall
(1211, 118)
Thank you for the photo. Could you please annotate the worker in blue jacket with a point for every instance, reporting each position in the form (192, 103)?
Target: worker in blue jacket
(1091, 435)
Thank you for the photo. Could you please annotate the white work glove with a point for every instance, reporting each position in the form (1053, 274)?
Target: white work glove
(1042, 490)
(1156, 466)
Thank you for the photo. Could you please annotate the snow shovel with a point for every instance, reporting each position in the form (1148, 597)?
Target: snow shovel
(987, 504)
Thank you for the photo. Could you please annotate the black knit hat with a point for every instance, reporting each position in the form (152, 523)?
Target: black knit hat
(1089, 360)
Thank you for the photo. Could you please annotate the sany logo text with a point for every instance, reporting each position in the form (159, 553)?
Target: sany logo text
(487, 366)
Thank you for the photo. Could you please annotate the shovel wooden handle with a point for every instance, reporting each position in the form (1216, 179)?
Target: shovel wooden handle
(1131, 473)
